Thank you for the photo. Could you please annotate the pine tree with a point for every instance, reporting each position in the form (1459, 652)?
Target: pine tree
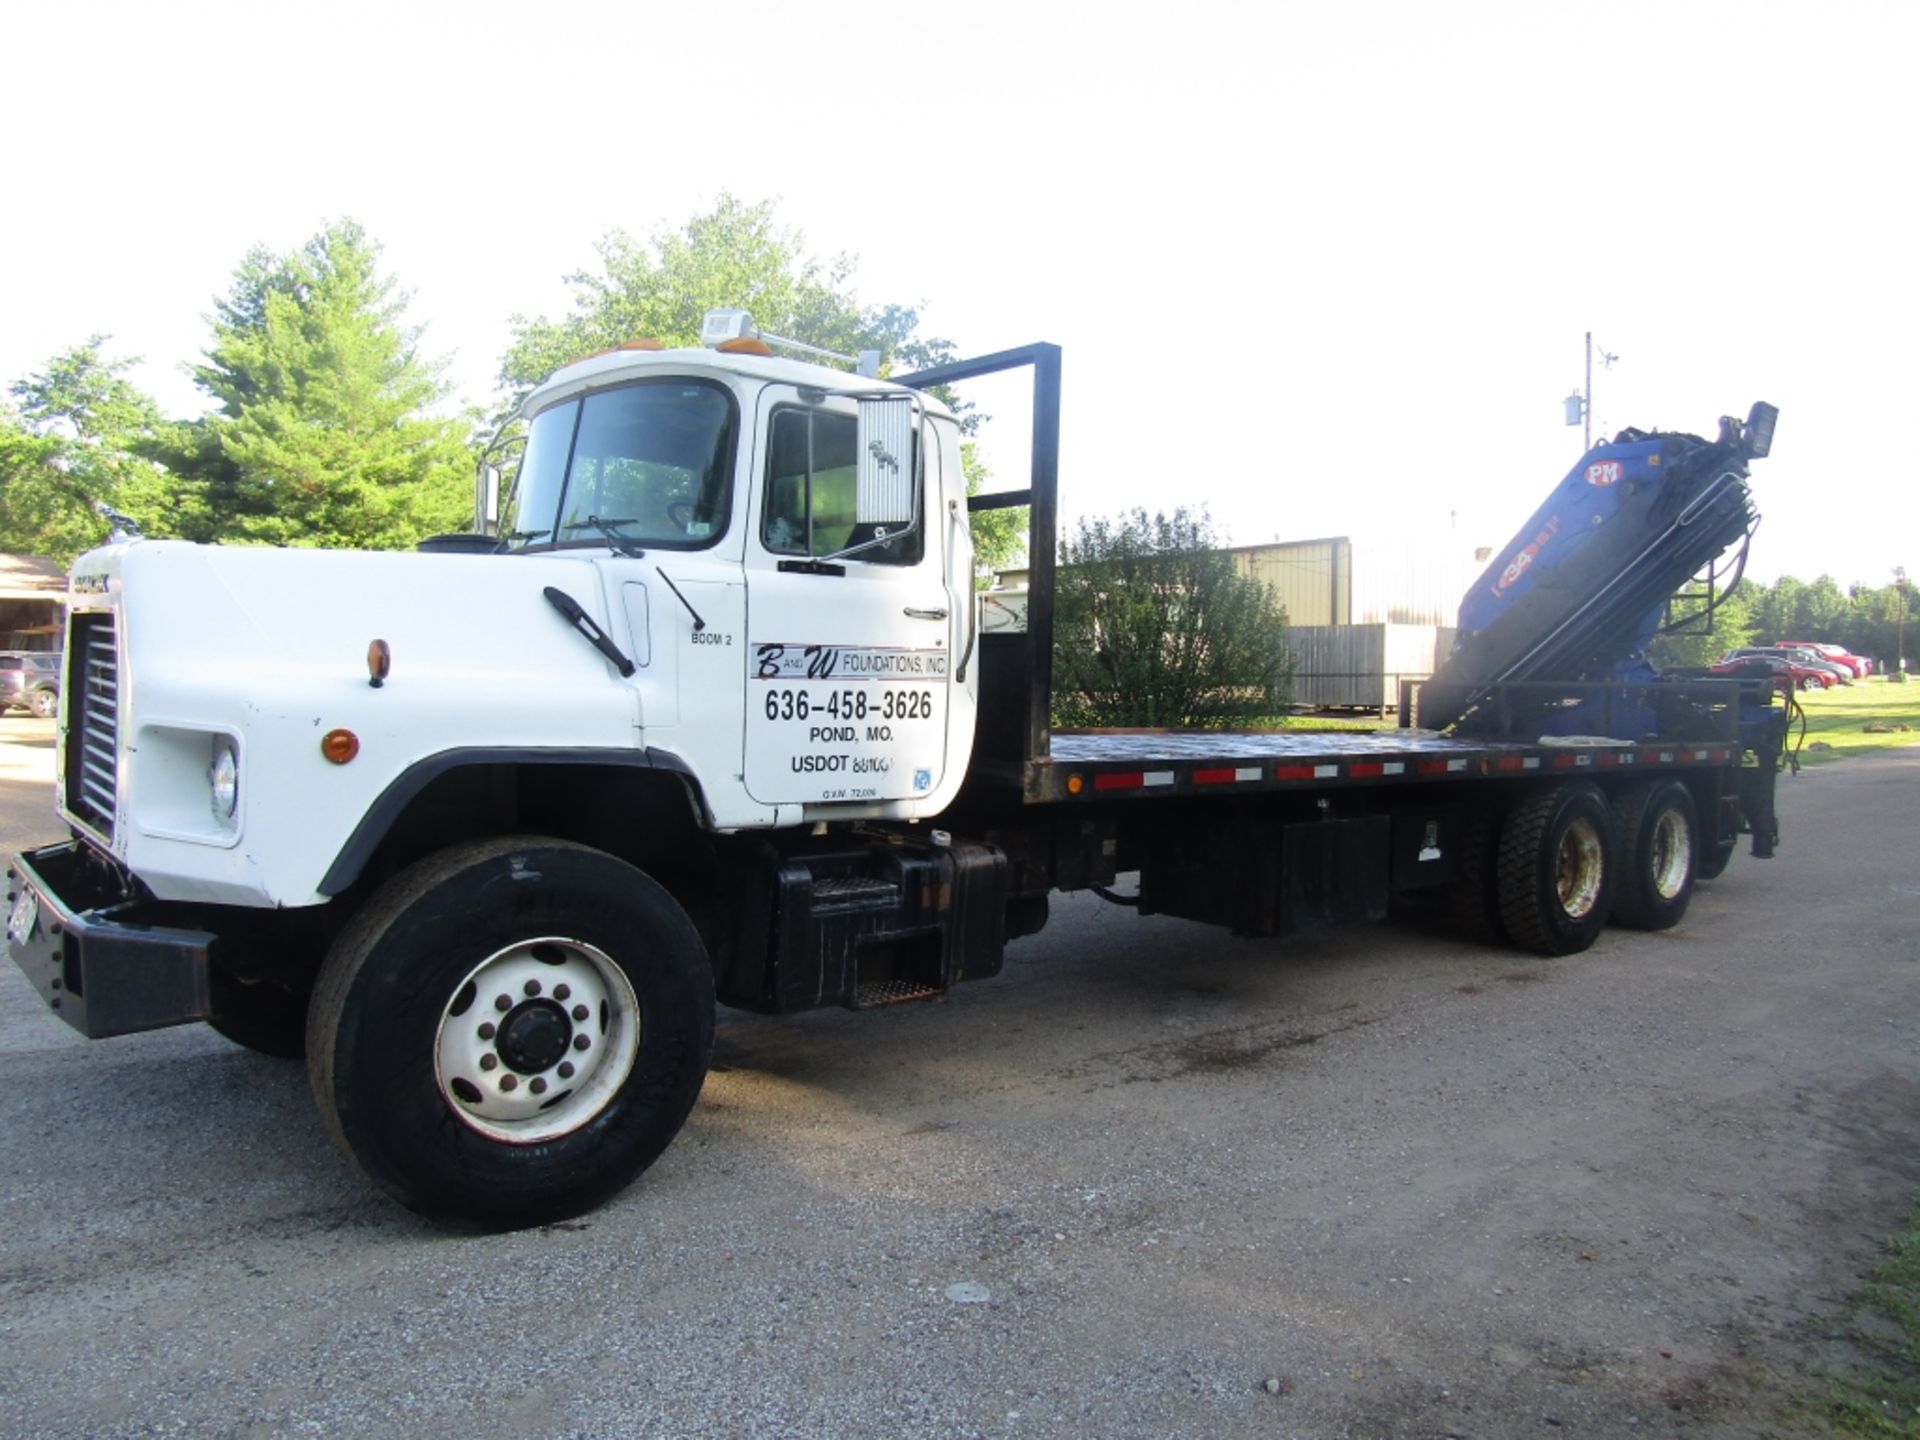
(324, 434)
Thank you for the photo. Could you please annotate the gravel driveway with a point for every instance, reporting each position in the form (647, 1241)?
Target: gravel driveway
(1152, 1181)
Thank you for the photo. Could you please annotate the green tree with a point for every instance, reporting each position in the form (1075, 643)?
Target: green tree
(1820, 612)
(1154, 626)
(324, 435)
(999, 536)
(1776, 610)
(75, 444)
(1731, 626)
(738, 256)
(42, 512)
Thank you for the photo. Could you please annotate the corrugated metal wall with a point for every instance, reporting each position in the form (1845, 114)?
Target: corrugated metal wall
(1384, 581)
(1362, 665)
(1312, 579)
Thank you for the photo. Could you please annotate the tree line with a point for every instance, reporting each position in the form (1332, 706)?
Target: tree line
(327, 423)
(1866, 619)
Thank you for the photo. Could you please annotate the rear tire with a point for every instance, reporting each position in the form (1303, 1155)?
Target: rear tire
(1473, 897)
(1659, 830)
(1715, 858)
(489, 976)
(1556, 870)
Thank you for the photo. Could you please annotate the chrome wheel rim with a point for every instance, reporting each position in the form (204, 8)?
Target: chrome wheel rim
(1578, 869)
(1671, 854)
(536, 1040)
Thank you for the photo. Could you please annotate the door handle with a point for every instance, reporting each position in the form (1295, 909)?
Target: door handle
(914, 613)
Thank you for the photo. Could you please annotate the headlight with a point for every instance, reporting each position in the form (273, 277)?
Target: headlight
(223, 776)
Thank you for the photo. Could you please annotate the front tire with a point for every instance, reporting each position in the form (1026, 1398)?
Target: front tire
(1556, 870)
(1659, 829)
(43, 704)
(511, 1031)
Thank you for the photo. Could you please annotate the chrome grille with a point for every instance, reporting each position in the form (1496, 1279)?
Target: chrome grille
(93, 722)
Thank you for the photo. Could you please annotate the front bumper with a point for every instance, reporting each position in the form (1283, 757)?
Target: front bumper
(74, 925)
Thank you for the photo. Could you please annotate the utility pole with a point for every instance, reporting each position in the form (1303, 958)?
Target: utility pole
(1580, 403)
(1900, 642)
(1586, 410)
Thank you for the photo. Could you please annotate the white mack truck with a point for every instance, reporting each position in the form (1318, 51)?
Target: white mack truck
(704, 711)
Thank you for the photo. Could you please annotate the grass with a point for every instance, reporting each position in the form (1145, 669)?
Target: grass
(1883, 1400)
(1357, 721)
(1838, 718)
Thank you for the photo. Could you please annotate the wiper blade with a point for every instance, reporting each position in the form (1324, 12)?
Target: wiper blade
(523, 535)
(609, 529)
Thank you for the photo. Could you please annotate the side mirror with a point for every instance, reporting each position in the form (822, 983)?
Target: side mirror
(885, 485)
(486, 498)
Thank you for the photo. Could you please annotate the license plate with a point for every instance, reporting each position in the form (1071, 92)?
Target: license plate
(26, 910)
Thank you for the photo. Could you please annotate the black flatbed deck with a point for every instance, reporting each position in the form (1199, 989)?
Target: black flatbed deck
(1129, 765)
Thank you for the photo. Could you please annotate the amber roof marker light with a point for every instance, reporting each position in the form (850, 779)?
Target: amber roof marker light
(379, 662)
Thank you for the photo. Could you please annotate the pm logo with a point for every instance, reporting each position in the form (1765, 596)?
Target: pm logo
(922, 779)
(1604, 472)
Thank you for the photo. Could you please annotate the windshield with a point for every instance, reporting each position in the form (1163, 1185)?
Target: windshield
(652, 461)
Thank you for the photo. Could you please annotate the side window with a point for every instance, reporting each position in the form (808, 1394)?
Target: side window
(810, 463)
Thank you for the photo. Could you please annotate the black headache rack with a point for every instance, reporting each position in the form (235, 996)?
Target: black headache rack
(1011, 737)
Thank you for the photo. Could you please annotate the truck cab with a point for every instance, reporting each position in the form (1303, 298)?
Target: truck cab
(795, 647)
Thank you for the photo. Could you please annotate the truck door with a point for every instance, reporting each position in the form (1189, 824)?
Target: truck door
(849, 655)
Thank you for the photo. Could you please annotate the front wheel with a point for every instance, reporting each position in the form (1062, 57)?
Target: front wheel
(1811, 682)
(511, 1030)
(1555, 870)
(43, 703)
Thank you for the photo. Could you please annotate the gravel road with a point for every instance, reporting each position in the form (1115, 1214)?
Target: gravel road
(1152, 1181)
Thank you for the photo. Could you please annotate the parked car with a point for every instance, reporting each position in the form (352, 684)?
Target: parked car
(1811, 659)
(1839, 654)
(1785, 672)
(30, 680)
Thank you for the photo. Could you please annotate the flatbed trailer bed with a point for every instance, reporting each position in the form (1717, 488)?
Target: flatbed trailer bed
(1085, 766)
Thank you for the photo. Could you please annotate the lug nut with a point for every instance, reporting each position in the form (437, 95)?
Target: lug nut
(489, 1062)
(566, 1070)
(580, 1012)
(538, 1085)
(503, 1003)
(532, 987)
(562, 990)
(509, 1082)
(487, 1032)
(581, 1042)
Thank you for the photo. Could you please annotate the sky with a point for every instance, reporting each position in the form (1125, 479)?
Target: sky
(1325, 268)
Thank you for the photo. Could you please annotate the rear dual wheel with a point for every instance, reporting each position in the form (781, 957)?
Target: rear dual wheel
(1554, 869)
(1660, 853)
(510, 1031)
